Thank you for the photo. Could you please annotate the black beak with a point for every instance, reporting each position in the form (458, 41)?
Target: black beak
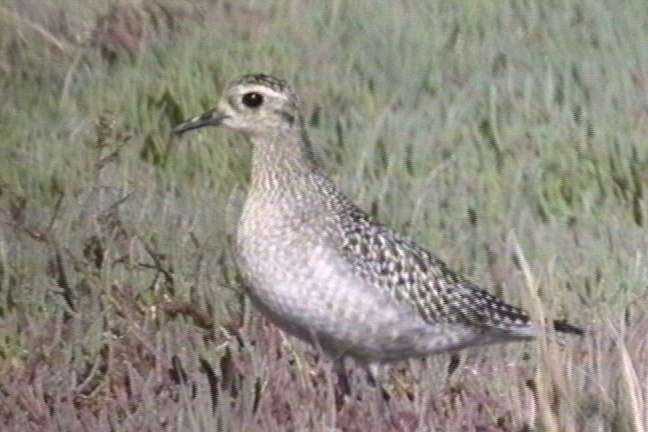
(210, 118)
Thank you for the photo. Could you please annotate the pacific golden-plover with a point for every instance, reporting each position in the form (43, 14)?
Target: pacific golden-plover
(323, 270)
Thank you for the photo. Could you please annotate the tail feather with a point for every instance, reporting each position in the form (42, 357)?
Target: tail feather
(564, 327)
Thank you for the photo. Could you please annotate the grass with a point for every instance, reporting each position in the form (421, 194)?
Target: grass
(508, 137)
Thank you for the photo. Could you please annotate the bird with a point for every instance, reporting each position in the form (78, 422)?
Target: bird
(323, 270)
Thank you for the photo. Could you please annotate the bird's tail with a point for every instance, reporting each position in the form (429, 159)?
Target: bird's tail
(563, 326)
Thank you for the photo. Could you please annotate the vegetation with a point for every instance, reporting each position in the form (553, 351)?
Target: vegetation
(510, 137)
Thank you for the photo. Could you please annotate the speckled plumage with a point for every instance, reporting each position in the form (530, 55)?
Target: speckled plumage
(322, 269)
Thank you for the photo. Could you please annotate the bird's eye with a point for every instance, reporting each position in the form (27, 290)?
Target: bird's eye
(252, 99)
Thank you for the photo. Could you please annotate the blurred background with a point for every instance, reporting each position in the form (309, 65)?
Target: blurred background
(509, 137)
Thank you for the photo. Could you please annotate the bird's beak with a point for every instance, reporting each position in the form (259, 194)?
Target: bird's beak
(210, 118)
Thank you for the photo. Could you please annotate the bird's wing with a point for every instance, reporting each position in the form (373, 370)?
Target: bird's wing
(385, 260)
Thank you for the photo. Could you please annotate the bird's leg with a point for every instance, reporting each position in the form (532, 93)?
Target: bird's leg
(343, 388)
(373, 379)
(342, 376)
(385, 408)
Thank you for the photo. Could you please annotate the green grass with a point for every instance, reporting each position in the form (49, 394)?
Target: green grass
(509, 137)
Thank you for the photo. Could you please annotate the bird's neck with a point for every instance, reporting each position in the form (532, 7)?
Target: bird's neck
(281, 160)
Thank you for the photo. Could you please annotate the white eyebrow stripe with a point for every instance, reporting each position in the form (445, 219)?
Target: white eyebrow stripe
(265, 89)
